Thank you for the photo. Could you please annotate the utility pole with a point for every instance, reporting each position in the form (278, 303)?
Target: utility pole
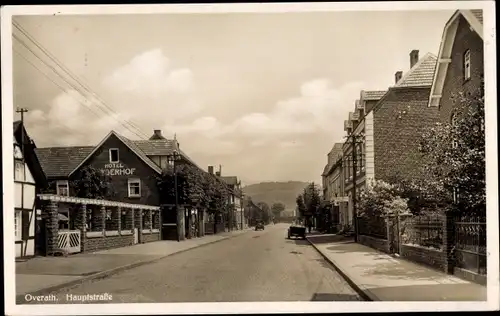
(22, 111)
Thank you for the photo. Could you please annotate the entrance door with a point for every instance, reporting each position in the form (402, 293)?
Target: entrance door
(136, 236)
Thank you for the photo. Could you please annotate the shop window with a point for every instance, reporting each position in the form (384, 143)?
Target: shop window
(114, 155)
(156, 220)
(123, 220)
(134, 188)
(145, 224)
(109, 220)
(62, 188)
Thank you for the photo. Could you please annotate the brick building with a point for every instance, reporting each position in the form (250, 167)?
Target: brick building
(386, 129)
(333, 184)
(133, 167)
(236, 200)
(460, 65)
(359, 126)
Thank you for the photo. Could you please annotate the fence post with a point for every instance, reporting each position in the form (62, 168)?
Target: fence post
(449, 242)
(52, 228)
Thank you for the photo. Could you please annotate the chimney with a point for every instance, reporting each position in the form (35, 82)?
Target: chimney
(413, 57)
(211, 169)
(157, 135)
(398, 76)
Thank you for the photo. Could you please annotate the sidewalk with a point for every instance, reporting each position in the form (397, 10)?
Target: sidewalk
(46, 274)
(380, 277)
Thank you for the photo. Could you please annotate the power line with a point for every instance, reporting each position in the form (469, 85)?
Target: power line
(67, 71)
(55, 83)
(73, 86)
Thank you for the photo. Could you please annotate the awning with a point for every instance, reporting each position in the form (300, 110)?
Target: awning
(63, 217)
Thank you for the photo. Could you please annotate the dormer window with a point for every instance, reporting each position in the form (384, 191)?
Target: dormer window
(62, 188)
(114, 155)
(467, 65)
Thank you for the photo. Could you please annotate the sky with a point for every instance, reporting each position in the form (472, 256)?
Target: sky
(264, 95)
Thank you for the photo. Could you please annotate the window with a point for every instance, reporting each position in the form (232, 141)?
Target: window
(62, 188)
(109, 223)
(124, 221)
(134, 188)
(467, 65)
(114, 155)
(19, 171)
(145, 220)
(17, 225)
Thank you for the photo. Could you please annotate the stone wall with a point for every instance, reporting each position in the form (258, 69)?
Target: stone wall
(109, 242)
(426, 256)
(150, 237)
(375, 243)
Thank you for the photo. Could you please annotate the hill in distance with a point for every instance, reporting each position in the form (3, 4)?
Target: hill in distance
(274, 192)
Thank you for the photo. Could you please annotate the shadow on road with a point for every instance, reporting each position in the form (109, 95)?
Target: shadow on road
(299, 242)
(325, 239)
(329, 297)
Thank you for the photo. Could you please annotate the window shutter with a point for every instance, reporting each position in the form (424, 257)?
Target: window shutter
(25, 222)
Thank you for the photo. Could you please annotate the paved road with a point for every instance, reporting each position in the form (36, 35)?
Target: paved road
(256, 266)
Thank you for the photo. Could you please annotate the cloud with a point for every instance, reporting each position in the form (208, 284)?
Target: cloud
(319, 107)
(146, 91)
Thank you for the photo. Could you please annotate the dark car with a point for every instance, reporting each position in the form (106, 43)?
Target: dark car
(259, 226)
(296, 230)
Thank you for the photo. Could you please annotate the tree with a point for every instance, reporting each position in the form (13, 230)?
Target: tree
(265, 211)
(91, 183)
(455, 156)
(301, 207)
(277, 209)
(195, 188)
(381, 199)
(312, 198)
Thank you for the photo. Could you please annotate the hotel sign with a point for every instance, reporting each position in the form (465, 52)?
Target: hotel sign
(117, 169)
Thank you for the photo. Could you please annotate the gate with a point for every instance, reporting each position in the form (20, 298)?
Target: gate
(470, 243)
(69, 241)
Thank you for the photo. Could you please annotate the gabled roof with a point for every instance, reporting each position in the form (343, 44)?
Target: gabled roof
(325, 170)
(63, 161)
(28, 153)
(127, 142)
(475, 20)
(421, 74)
(374, 95)
(156, 147)
(230, 180)
(60, 161)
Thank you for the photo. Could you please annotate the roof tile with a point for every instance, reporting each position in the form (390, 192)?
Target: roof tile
(373, 95)
(60, 161)
(422, 74)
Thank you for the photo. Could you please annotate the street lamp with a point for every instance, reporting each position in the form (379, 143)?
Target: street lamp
(173, 158)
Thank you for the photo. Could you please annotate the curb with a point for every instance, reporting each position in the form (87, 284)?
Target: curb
(110, 272)
(363, 293)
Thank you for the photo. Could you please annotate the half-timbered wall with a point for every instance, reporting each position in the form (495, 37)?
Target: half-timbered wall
(24, 216)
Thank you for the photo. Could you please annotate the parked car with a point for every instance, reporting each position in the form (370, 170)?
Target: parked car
(259, 226)
(296, 230)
